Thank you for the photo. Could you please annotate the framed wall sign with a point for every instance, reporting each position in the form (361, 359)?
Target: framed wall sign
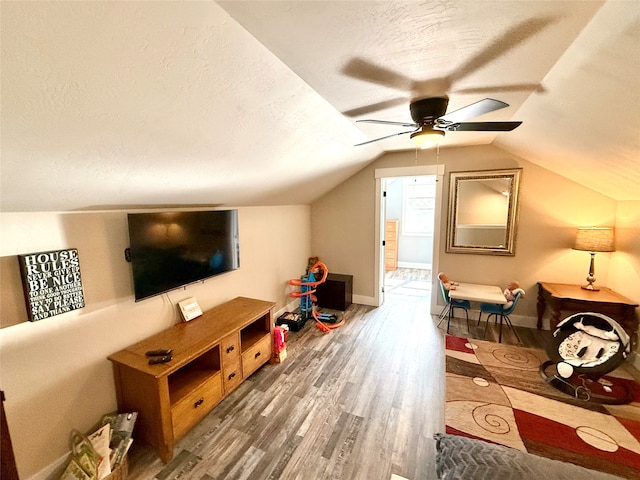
(51, 282)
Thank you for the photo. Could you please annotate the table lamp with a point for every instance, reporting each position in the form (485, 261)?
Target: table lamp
(593, 240)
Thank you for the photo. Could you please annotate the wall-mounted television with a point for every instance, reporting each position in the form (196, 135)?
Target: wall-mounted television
(172, 249)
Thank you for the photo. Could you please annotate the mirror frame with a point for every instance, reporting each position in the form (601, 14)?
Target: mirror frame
(512, 214)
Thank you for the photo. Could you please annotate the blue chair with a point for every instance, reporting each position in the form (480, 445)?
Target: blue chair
(450, 305)
(500, 312)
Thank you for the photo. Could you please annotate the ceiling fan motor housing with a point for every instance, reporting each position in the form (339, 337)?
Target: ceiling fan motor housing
(427, 110)
(431, 119)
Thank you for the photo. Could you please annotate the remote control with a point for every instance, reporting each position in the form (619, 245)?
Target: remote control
(164, 359)
(159, 353)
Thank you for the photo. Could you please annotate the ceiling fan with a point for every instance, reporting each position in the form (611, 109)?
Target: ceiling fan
(430, 120)
(416, 88)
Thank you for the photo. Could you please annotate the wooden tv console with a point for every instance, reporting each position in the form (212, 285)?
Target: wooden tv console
(212, 355)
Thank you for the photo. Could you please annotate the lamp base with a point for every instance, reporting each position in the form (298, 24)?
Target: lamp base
(591, 278)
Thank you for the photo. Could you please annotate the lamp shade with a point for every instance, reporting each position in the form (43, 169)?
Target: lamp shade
(594, 239)
(427, 137)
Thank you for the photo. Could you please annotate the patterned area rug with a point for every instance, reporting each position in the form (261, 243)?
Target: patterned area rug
(495, 392)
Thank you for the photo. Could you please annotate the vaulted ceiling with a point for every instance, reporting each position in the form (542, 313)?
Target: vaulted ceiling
(132, 104)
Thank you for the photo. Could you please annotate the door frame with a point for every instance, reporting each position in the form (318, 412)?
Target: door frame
(412, 171)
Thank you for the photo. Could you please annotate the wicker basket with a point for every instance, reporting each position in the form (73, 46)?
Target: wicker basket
(121, 471)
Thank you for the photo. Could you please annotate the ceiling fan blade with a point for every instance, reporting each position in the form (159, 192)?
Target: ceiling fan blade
(382, 138)
(480, 126)
(356, 112)
(518, 87)
(474, 110)
(511, 38)
(369, 72)
(385, 122)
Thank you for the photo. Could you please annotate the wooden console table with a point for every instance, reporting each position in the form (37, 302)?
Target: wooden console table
(574, 298)
(212, 355)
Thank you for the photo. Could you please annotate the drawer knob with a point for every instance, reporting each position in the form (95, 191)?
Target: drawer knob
(257, 355)
(198, 403)
(231, 349)
(232, 375)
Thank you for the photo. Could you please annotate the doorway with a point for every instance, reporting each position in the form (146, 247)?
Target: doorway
(409, 227)
(408, 209)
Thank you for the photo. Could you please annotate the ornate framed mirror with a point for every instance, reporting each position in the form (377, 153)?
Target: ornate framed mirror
(483, 211)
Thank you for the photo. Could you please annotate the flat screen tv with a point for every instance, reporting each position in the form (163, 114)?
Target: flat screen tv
(173, 249)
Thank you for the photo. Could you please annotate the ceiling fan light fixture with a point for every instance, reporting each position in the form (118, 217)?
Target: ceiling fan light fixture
(427, 137)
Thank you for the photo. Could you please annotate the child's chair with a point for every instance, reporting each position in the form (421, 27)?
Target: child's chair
(500, 312)
(450, 304)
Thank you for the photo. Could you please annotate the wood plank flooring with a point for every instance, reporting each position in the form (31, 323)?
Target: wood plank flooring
(361, 402)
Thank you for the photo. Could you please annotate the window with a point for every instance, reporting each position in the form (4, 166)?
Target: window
(418, 212)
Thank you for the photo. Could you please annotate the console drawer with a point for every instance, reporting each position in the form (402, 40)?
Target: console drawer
(232, 376)
(255, 356)
(189, 410)
(230, 348)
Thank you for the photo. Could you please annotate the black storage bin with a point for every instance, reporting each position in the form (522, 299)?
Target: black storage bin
(336, 292)
(292, 320)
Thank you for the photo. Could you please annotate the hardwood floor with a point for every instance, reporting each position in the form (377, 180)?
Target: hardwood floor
(361, 402)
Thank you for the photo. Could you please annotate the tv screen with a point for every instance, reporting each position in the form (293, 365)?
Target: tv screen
(173, 249)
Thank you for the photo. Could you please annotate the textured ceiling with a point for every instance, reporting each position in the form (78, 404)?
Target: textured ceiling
(131, 104)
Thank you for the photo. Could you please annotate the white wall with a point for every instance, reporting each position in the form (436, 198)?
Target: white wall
(55, 372)
(624, 270)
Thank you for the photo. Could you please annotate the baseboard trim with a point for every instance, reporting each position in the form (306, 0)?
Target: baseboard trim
(290, 307)
(517, 320)
(295, 305)
(53, 470)
(364, 300)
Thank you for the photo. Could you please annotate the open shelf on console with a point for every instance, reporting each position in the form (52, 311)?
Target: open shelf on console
(254, 332)
(189, 377)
